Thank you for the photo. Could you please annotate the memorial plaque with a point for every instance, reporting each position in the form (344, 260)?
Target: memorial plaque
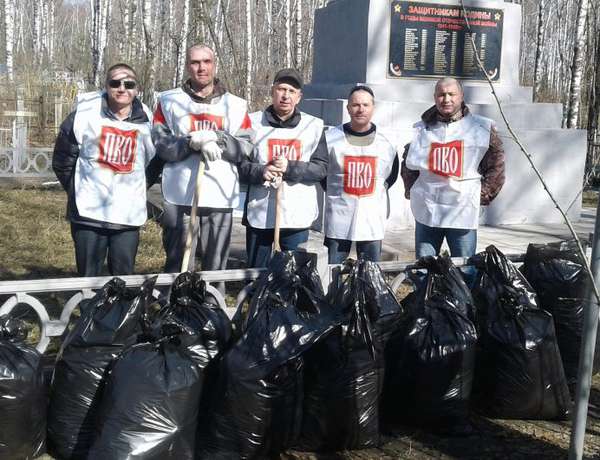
(433, 40)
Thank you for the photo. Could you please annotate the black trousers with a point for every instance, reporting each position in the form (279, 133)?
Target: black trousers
(93, 245)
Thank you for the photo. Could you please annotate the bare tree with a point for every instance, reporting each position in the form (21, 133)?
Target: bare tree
(149, 68)
(248, 50)
(578, 65)
(182, 44)
(537, 79)
(288, 33)
(298, 34)
(9, 34)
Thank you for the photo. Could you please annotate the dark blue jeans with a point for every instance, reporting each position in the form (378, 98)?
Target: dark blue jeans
(428, 241)
(461, 242)
(93, 245)
(259, 243)
(339, 250)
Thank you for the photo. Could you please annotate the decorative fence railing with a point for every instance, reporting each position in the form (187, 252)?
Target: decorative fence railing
(23, 293)
(27, 161)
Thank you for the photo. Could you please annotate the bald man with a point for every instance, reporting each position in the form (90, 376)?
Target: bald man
(453, 165)
(193, 123)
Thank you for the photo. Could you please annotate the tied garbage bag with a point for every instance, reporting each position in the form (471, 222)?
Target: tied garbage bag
(149, 407)
(258, 411)
(190, 305)
(22, 394)
(518, 373)
(430, 361)
(344, 373)
(110, 321)
(557, 274)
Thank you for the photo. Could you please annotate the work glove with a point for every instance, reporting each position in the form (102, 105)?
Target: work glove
(211, 151)
(200, 138)
(274, 183)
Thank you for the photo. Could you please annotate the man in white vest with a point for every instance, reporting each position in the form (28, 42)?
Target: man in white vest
(454, 164)
(290, 153)
(363, 164)
(100, 157)
(193, 123)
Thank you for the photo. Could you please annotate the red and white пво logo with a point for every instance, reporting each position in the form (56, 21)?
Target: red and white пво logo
(446, 159)
(359, 175)
(117, 149)
(205, 122)
(288, 148)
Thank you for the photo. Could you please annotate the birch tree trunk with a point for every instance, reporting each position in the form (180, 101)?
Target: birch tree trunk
(51, 29)
(578, 66)
(9, 23)
(96, 13)
(288, 32)
(133, 31)
(124, 53)
(181, 50)
(537, 73)
(149, 66)
(298, 34)
(35, 27)
(269, 19)
(248, 50)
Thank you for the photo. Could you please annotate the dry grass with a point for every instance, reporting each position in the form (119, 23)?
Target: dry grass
(36, 239)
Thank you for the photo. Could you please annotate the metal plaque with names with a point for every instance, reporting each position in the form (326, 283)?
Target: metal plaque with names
(433, 40)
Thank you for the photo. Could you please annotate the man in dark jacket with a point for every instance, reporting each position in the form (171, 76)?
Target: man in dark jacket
(100, 158)
(290, 154)
(454, 164)
(193, 123)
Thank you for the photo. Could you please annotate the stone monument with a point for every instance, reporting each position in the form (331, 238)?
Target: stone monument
(400, 48)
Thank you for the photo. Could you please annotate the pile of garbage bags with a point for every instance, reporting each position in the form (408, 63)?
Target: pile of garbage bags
(296, 368)
(22, 394)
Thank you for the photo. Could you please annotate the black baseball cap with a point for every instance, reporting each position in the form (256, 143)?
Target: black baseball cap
(289, 76)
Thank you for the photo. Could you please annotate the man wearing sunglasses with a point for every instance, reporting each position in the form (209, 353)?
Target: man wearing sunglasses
(101, 155)
(193, 123)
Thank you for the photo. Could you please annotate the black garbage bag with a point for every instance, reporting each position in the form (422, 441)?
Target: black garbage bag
(259, 408)
(519, 372)
(150, 403)
(190, 305)
(430, 361)
(111, 321)
(22, 394)
(344, 373)
(557, 274)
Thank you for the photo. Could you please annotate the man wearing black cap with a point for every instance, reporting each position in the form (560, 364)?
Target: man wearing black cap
(290, 152)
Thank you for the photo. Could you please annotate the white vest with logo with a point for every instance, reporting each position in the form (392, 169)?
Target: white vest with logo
(298, 202)
(447, 156)
(110, 178)
(357, 204)
(220, 186)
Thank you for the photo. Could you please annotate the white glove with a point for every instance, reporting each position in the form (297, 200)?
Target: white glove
(275, 183)
(211, 151)
(199, 138)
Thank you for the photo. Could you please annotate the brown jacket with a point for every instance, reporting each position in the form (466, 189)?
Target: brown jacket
(491, 167)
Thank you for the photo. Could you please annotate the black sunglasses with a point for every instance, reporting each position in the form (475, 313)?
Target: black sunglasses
(128, 84)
